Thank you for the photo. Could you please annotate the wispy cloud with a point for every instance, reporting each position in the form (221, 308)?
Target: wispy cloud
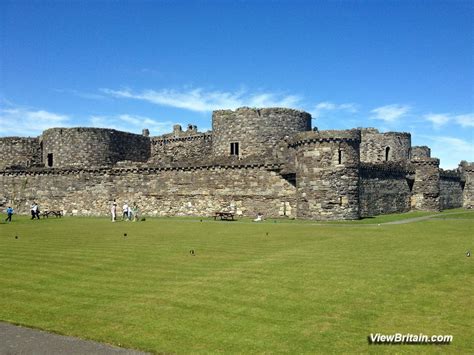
(326, 106)
(201, 100)
(437, 119)
(22, 122)
(390, 113)
(84, 95)
(440, 119)
(131, 123)
(465, 120)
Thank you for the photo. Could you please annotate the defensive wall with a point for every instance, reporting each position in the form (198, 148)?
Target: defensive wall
(173, 191)
(384, 188)
(253, 161)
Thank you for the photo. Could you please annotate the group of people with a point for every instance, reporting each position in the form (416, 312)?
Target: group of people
(35, 212)
(128, 213)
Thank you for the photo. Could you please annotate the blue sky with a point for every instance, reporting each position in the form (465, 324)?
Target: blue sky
(393, 65)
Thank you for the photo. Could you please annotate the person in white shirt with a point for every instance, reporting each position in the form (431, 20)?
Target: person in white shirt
(125, 212)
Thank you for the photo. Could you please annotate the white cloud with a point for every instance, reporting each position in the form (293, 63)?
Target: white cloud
(24, 122)
(205, 101)
(390, 113)
(321, 107)
(465, 120)
(437, 119)
(440, 119)
(131, 123)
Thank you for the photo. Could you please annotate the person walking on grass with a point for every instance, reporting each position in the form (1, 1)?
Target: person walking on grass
(9, 214)
(35, 211)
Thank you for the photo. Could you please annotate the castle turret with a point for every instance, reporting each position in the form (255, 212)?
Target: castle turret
(89, 147)
(327, 174)
(255, 132)
(376, 147)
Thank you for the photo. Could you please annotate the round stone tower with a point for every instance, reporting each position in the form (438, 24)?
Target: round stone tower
(92, 147)
(327, 174)
(255, 132)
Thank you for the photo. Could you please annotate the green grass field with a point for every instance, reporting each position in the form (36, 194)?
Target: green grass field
(250, 288)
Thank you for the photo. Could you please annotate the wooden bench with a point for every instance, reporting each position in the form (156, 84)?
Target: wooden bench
(224, 216)
(56, 213)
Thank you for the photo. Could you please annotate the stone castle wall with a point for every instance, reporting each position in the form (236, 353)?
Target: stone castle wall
(18, 152)
(426, 188)
(384, 189)
(450, 189)
(90, 147)
(181, 149)
(258, 131)
(327, 176)
(202, 191)
(467, 171)
(420, 152)
(373, 146)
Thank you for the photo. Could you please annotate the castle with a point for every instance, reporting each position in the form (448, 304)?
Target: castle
(267, 160)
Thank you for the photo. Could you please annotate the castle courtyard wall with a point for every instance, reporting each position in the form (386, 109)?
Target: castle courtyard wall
(383, 189)
(248, 190)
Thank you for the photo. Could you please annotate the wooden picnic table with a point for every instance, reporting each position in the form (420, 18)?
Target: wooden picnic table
(224, 216)
(56, 213)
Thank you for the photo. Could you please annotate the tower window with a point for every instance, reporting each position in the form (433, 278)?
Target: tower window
(234, 148)
(387, 154)
(339, 159)
(50, 159)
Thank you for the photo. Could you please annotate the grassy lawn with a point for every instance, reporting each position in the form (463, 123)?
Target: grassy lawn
(270, 287)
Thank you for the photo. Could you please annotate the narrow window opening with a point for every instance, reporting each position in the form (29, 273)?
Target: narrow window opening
(50, 159)
(340, 201)
(339, 159)
(234, 148)
(387, 154)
